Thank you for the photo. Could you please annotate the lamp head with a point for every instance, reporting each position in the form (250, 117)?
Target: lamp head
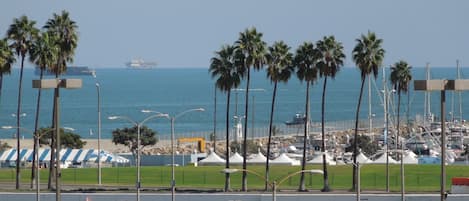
(163, 115)
(113, 117)
(7, 127)
(229, 171)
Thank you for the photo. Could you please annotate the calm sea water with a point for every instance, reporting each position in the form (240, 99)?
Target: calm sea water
(127, 92)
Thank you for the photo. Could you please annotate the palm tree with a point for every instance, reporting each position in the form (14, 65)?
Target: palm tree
(368, 55)
(43, 53)
(280, 68)
(7, 58)
(305, 60)
(253, 54)
(228, 73)
(22, 32)
(331, 56)
(65, 30)
(400, 77)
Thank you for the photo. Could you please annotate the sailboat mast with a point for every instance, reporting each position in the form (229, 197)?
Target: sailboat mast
(459, 92)
(385, 101)
(427, 111)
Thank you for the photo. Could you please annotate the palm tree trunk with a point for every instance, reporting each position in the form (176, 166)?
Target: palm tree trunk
(52, 145)
(323, 146)
(305, 137)
(245, 181)
(18, 125)
(402, 144)
(355, 140)
(270, 136)
(36, 135)
(398, 140)
(227, 155)
(215, 120)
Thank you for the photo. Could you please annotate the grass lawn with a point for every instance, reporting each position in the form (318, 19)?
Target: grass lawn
(418, 178)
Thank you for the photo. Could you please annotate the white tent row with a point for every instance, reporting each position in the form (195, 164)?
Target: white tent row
(259, 158)
(409, 158)
(69, 155)
(283, 159)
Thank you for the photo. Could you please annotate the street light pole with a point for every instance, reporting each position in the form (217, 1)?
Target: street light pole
(36, 137)
(139, 125)
(358, 181)
(442, 86)
(99, 127)
(138, 163)
(56, 84)
(173, 181)
(172, 120)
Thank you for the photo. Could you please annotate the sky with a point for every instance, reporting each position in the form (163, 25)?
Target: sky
(186, 33)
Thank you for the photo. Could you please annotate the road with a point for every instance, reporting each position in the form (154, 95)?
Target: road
(4, 196)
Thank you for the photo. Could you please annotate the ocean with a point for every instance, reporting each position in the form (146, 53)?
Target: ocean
(126, 92)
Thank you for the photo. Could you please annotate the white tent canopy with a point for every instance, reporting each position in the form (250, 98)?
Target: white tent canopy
(361, 158)
(410, 158)
(318, 160)
(212, 159)
(258, 158)
(382, 160)
(236, 159)
(283, 159)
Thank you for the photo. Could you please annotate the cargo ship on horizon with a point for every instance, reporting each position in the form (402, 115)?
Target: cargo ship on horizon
(71, 70)
(140, 64)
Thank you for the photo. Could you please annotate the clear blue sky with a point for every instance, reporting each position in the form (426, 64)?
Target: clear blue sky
(185, 33)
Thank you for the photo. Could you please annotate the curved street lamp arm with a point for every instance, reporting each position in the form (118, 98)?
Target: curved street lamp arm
(124, 118)
(154, 116)
(191, 110)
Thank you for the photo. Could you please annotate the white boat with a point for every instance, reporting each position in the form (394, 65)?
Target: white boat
(298, 119)
(140, 64)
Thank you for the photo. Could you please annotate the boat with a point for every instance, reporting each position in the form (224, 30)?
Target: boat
(298, 119)
(71, 70)
(140, 64)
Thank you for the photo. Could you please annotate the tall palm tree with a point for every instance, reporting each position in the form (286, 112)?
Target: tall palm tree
(400, 77)
(65, 30)
(331, 58)
(368, 55)
(280, 68)
(253, 51)
(43, 53)
(7, 58)
(228, 74)
(22, 33)
(305, 60)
